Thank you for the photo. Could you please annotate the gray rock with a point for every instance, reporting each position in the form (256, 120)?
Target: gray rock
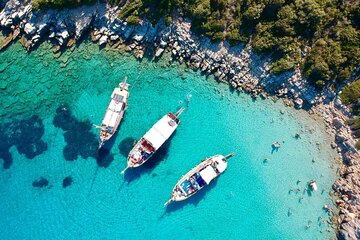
(347, 231)
(337, 123)
(82, 25)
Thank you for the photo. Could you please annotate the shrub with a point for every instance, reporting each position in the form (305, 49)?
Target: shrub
(132, 20)
(351, 93)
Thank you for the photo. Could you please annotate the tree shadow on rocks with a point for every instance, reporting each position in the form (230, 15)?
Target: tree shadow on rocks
(80, 140)
(26, 135)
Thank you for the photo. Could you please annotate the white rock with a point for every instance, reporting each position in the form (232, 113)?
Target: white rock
(37, 36)
(29, 29)
(114, 37)
(103, 40)
(163, 44)
(60, 40)
(52, 35)
(14, 15)
(27, 9)
(42, 27)
(64, 34)
(138, 38)
(8, 22)
(21, 14)
(159, 51)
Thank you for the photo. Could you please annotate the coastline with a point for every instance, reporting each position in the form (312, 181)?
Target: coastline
(239, 66)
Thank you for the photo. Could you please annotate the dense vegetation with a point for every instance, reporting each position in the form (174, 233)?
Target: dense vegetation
(320, 36)
(59, 4)
(351, 97)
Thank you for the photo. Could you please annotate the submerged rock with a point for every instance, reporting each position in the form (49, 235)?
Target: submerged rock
(42, 182)
(67, 181)
(26, 135)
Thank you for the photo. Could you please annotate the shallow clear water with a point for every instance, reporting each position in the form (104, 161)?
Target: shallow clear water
(253, 199)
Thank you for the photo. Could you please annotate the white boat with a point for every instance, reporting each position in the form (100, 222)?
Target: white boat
(114, 112)
(198, 177)
(153, 139)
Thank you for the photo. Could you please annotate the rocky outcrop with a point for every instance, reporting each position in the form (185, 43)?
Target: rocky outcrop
(347, 186)
(239, 66)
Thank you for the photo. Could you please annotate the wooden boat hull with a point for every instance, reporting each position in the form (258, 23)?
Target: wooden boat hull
(153, 139)
(199, 177)
(114, 112)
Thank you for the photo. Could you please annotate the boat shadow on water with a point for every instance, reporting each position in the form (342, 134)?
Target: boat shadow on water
(104, 157)
(194, 200)
(160, 155)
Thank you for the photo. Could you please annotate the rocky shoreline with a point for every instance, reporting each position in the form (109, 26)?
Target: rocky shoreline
(239, 66)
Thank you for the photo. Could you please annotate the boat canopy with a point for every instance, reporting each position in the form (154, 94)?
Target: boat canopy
(112, 113)
(161, 131)
(208, 174)
(115, 105)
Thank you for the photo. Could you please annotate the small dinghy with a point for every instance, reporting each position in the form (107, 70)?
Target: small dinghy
(114, 112)
(199, 177)
(153, 140)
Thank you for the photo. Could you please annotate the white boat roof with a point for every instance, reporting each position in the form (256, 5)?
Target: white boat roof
(115, 106)
(161, 131)
(208, 174)
(112, 113)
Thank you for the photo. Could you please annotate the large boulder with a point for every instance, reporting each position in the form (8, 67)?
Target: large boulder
(103, 40)
(82, 25)
(29, 29)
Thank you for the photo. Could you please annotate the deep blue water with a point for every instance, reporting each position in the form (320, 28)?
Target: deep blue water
(49, 103)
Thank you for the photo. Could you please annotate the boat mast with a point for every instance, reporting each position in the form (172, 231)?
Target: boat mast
(123, 84)
(168, 202)
(123, 171)
(101, 144)
(178, 113)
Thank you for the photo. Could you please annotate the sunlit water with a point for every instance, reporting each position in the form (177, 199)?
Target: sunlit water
(253, 199)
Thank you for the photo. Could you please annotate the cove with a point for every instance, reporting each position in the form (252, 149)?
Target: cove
(253, 199)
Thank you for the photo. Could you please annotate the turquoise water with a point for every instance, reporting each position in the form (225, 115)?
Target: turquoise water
(253, 199)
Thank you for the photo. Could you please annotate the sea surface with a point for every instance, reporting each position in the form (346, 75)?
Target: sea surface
(49, 103)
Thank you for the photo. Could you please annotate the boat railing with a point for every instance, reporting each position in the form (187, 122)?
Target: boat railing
(229, 155)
